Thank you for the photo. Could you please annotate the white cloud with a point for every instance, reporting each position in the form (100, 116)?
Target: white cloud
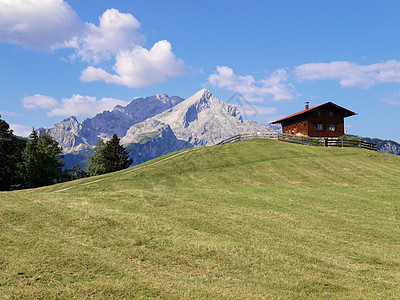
(350, 74)
(38, 24)
(39, 101)
(275, 86)
(140, 67)
(77, 105)
(21, 130)
(9, 113)
(392, 100)
(116, 32)
(51, 24)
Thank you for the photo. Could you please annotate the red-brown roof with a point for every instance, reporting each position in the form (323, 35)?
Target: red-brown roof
(347, 113)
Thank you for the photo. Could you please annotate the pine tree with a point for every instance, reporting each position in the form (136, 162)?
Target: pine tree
(109, 157)
(11, 160)
(72, 174)
(43, 160)
(96, 164)
(115, 156)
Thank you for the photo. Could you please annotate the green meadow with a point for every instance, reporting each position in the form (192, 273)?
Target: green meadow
(259, 219)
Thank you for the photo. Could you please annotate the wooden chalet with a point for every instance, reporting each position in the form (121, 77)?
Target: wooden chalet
(325, 120)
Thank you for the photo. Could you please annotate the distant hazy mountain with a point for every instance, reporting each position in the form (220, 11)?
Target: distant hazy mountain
(386, 146)
(153, 126)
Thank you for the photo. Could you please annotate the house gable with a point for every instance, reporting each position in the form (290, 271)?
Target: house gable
(325, 120)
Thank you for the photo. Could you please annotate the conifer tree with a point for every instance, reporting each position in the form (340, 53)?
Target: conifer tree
(11, 160)
(43, 160)
(115, 156)
(96, 164)
(109, 157)
(72, 174)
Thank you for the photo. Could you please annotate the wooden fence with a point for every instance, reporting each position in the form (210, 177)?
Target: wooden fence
(304, 140)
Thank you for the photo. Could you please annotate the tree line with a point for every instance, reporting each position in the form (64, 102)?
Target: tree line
(37, 161)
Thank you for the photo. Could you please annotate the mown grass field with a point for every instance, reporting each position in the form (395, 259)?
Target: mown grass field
(259, 219)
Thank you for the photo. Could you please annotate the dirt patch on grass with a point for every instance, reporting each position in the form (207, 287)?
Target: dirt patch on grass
(294, 182)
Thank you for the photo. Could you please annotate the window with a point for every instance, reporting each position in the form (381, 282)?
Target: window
(331, 127)
(319, 113)
(319, 127)
(331, 113)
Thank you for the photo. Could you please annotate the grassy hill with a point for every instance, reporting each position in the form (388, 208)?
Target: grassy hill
(251, 220)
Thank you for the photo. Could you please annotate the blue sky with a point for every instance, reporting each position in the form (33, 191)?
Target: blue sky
(61, 58)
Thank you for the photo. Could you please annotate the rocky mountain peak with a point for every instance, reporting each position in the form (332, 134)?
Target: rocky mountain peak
(204, 93)
(202, 120)
(156, 125)
(70, 120)
(119, 108)
(161, 96)
(105, 124)
(70, 124)
(204, 96)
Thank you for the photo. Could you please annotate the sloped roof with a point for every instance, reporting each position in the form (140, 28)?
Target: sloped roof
(346, 112)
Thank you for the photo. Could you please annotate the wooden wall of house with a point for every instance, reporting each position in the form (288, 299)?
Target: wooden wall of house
(306, 125)
(296, 128)
(325, 118)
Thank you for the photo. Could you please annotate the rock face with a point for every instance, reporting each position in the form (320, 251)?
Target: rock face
(390, 147)
(386, 146)
(153, 126)
(201, 120)
(72, 136)
(120, 119)
(67, 134)
(151, 139)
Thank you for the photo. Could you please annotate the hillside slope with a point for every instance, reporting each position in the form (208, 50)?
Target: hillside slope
(251, 220)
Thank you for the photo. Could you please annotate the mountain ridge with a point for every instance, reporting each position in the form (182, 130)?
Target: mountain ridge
(73, 136)
(159, 124)
(169, 123)
(203, 120)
